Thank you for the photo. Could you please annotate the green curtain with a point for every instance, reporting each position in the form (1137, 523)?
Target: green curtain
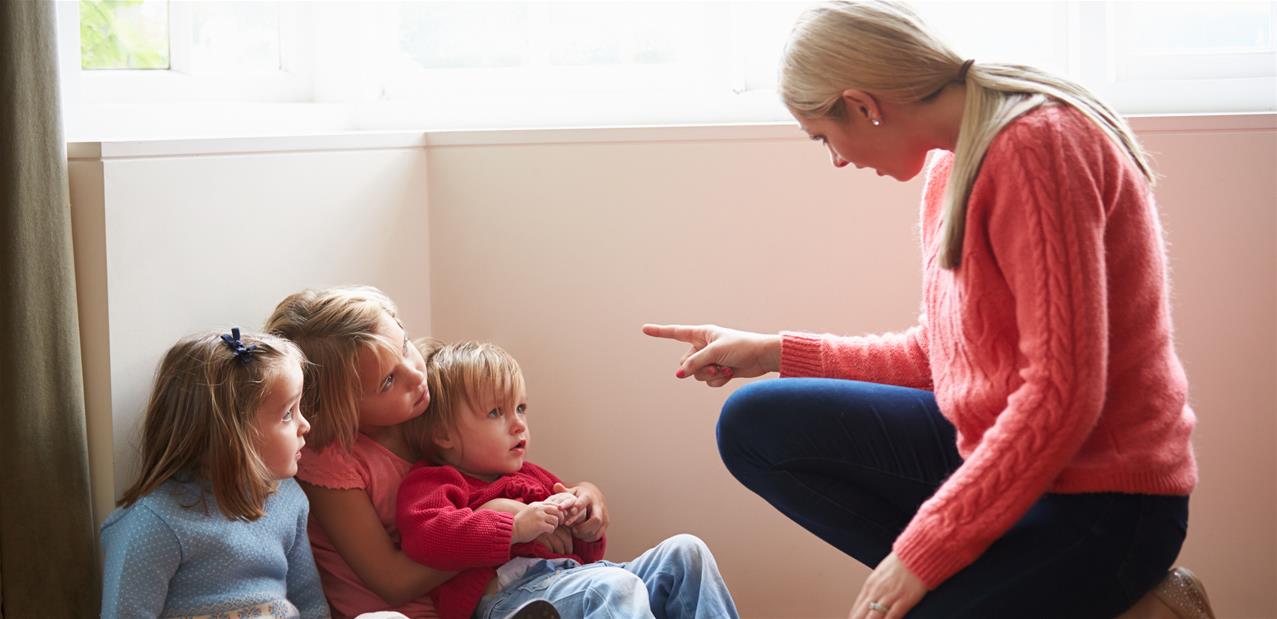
(48, 552)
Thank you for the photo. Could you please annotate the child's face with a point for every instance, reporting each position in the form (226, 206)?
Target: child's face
(280, 424)
(393, 383)
(489, 441)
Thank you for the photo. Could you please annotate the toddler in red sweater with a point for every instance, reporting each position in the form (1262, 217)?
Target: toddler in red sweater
(515, 531)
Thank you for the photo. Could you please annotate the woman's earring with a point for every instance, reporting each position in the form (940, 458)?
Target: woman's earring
(877, 122)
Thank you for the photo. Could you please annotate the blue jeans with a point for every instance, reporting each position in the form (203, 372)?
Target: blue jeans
(678, 578)
(852, 462)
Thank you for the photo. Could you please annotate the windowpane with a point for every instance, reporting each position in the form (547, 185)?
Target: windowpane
(234, 38)
(1197, 27)
(447, 35)
(611, 33)
(124, 34)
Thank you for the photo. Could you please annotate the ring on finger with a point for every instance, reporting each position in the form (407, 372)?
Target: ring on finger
(877, 607)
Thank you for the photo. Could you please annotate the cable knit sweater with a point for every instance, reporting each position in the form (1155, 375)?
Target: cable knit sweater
(1049, 348)
(442, 526)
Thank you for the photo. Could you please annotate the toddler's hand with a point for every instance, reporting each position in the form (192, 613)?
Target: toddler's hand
(571, 507)
(593, 520)
(535, 520)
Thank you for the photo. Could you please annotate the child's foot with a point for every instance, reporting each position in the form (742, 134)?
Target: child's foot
(536, 609)
(1180, 595)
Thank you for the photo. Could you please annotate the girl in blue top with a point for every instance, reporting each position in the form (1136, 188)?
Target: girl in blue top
(215, 525)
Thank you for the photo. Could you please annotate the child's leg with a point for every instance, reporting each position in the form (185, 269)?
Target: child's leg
(682, 580)
(594, 591)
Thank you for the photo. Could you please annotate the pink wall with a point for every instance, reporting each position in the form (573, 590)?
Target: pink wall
(559, 246)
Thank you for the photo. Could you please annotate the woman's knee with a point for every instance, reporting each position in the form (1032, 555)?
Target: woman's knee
(739, 421)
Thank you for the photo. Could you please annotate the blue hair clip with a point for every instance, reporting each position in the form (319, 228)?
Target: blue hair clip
(242, 352)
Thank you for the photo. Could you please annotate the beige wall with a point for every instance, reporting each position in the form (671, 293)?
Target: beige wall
(559, 244)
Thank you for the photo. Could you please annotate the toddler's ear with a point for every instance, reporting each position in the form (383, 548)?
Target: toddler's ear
(443, 439)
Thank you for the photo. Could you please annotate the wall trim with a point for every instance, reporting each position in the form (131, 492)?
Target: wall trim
(148, 149)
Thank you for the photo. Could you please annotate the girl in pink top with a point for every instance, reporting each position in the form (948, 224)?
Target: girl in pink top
(364, 380)
(1024, 450)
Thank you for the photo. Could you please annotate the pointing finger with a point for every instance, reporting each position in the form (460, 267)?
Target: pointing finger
(681, 333)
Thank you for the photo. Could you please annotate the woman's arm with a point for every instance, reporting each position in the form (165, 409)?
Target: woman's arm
(351, 524)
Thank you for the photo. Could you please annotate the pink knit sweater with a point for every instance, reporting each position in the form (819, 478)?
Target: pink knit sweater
(1049, 348)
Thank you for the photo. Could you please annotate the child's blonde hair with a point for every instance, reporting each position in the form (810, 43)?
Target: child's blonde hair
(200, 419)
(883, 48)
(473, 373)
(331, 326)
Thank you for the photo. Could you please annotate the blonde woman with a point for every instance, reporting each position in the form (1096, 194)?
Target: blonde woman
(1024, 451)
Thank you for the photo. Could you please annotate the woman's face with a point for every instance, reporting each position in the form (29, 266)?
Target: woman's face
(887, 147)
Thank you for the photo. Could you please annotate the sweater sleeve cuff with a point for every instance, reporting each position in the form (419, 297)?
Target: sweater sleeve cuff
(931, 562)
(800, 354)
(503, 538)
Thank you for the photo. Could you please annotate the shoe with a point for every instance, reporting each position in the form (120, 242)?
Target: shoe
(1184, 594)
(537, 609)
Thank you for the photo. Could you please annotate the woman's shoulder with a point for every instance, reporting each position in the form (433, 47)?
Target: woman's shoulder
(1051, 123)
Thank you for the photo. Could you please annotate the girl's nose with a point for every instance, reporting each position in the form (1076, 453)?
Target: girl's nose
(303, 426)
(418, 376)
(838, 162)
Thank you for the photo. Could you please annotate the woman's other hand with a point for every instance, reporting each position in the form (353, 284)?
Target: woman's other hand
(890, 592)
(719, 354)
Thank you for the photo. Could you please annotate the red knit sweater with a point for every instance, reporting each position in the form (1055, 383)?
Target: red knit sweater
(440, 525)
(1049, 348)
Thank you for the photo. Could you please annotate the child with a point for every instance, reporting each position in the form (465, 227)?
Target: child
(484, 504)
(215, 525)
(365, 380)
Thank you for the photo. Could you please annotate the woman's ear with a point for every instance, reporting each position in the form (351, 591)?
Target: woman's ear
(861, 105)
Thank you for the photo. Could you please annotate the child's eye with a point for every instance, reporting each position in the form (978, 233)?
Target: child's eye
(390, 380)
(494, 413)
(288, 415)
(522, 408)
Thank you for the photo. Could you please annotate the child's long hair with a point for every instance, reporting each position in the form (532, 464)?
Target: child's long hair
(473, 373)
(199, 420)
(883, 48)
(331, 326)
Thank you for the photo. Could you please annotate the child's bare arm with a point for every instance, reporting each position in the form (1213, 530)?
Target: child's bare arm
(509, 506)
(351, 524)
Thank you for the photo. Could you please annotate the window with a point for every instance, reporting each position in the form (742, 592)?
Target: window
(456, 64)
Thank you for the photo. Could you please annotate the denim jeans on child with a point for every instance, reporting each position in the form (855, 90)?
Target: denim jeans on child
(677, 579)
(852, 462)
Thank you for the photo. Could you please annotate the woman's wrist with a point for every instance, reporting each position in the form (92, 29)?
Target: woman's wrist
(771, 352)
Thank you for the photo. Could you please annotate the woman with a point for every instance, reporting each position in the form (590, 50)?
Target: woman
(1024, 450)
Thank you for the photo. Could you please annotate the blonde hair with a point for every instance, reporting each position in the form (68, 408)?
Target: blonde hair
(331, 326)
(473, 373)
(883, 48)
(200, 420)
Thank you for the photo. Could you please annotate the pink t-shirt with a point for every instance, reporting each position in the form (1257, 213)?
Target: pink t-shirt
(377, 471)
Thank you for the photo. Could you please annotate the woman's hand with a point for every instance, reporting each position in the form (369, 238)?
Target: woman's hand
(719, 354)
(890, 592)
